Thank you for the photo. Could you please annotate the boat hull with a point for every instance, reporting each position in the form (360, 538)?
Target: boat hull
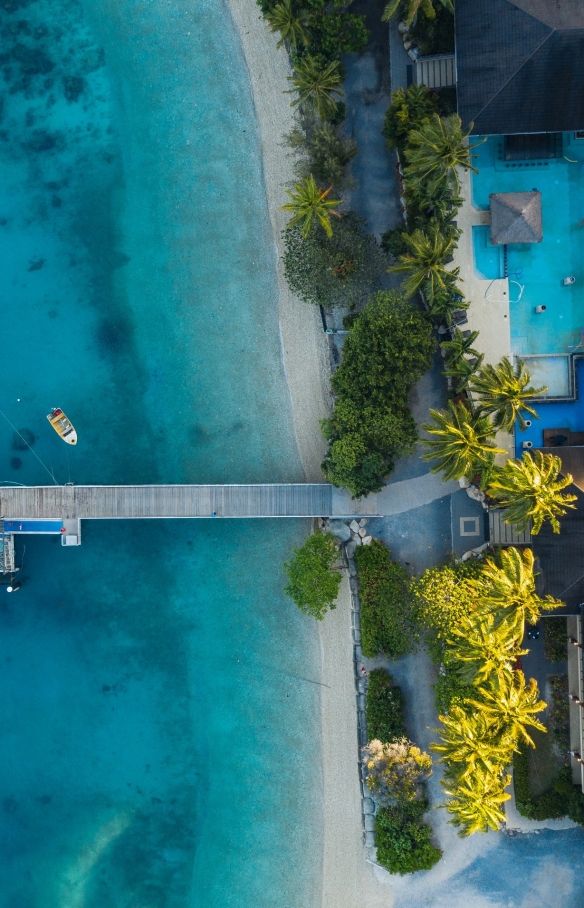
(62, 426)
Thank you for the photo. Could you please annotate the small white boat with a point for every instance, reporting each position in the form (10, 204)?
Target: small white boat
(62, 426)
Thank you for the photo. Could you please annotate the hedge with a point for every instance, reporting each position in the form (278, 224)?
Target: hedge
(564, 799)
(386, 602)
(385, 708)
(403, 841)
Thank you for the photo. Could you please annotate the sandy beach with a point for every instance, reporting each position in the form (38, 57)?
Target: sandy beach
(347, 879)
(304, 346)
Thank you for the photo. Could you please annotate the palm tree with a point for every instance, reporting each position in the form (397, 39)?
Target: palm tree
(530, 490)
(458, 368)
(509, 585)
(467, 739)
(409, 9)
(308, 202)
(503, 392)
(282, 18)
(485, 649)
(435, 149)
(444, 303)
(461, 445)
(512, 705)
(424, 263)
(475, 802)
(316, 87)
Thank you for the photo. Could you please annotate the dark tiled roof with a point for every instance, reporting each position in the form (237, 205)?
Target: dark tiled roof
(516, 217)
(520, 65)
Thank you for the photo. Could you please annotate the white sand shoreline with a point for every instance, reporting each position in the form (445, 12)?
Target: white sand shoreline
(347, 879)
(304, 348)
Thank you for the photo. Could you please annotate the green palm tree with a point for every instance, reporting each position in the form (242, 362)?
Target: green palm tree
(503, 392)
(435, 149)
(485, 649)
(284, 19)
(444, 303)
(308, 202)
(409, 9)
(458, 368)
(512, 705)
(468, 743)
(530, 490)
(316, 87)
(508, 585)
(424, 263)
(475, 802)
(461, 444)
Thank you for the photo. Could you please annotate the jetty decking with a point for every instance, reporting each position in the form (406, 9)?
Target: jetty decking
(183, 501)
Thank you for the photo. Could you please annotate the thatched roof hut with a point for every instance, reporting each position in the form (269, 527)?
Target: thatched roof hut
(516, 217)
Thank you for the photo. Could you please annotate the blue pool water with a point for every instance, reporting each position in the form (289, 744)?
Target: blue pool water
(159, 716)
(488, 258)
(542, 266)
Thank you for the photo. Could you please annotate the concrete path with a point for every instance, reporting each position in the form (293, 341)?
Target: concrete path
(399, 497)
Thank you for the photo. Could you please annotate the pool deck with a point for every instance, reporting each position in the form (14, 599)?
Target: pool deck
(490, 318)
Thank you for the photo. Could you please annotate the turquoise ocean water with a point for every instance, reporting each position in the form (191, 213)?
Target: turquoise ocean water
(159, 720)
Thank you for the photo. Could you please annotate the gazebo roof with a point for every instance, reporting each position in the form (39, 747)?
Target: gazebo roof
(516, 217)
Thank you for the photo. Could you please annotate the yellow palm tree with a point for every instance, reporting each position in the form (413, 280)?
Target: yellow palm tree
(470, 740)
(508, 585)
(485, 650)
(513, 705)
(530, 490)
(475, 802)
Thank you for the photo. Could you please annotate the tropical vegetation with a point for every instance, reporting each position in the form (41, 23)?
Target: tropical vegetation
(460, 444)
(385, 708)
(435, 149)
(530, 491)
(424, 262)
(387, 622)
(403, 840)
(313, 583)
(338, 270)
(408, 9)
(317, 87)
(503, 392)
(309, 203)
(388, 348)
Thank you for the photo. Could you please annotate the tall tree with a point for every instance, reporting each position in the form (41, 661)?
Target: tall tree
(313, 583)
(468, 740)
(503, 392)
(530, 490)
(309, 203)
(285, 19)
(434, 151)
(508, 585)
(475, 802)
(408, 9)
(484, 649)
(424, 263)
(513, 705)
(461, 442)
(317, 86)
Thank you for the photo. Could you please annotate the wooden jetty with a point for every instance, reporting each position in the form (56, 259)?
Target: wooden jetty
(71, 502)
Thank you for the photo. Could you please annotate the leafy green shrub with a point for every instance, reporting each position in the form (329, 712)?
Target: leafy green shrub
(388, 348)
(393, 243)
(313, 584)
(434, 35)
(555, 638)
(408, 109)
(326, 153)
(385, 708)
(403, 841)
(386, 602)
(560, 710)
(450, 690)
(564, 799)
(341, 270)
(443, 597)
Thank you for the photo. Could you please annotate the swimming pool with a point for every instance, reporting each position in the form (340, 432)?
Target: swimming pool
(488, 259)
(33, 526)
(539, 268)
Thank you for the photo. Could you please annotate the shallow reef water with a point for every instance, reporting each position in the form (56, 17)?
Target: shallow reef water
(159, 721)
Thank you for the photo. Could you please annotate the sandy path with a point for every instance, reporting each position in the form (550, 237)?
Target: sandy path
(303, 341)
